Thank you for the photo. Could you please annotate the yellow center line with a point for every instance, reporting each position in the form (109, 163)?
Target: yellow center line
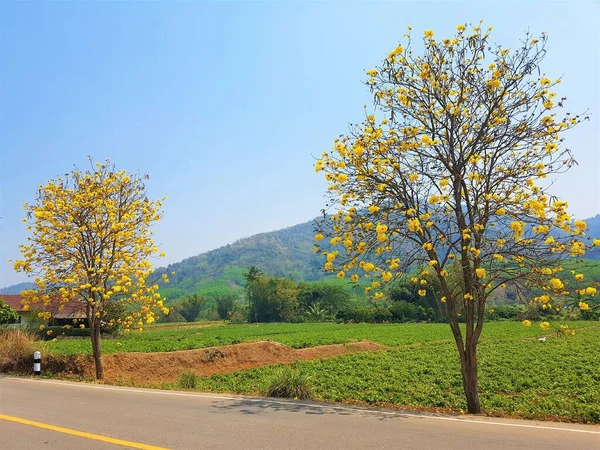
(83, 434)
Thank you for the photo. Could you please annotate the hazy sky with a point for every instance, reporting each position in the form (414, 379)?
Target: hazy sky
(226, 105)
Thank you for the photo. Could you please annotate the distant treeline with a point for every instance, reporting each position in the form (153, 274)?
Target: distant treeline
(275, 299)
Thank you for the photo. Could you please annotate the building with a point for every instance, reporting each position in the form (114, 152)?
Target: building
(64, 315)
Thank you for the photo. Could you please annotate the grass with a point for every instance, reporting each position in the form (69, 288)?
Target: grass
(288, 383)
(172, 337)
(187, 380)
(16, 349)
(557, 379)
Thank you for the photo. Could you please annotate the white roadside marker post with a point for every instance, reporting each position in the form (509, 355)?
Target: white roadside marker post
(37, 363)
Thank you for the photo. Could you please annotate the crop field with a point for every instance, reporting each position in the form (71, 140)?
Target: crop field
(519, 376)
(185, 337)
(556, 380)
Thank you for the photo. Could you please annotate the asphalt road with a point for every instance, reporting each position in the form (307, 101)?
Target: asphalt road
(85, 416)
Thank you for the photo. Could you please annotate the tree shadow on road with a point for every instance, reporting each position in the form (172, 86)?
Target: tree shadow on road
(258, 406)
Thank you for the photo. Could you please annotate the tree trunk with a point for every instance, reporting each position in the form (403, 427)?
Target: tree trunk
(468, 366)
(96, 346)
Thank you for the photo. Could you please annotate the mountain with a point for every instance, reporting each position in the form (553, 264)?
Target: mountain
(593, 224)
(17, 288)
(283, 253)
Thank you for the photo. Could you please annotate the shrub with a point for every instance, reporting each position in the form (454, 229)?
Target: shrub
(16, 349)
(7, 314)
(317, 313)
(187, 380)
(288, 383)
(236, 317)
(54, 331)
(404, 311)
(369, 314)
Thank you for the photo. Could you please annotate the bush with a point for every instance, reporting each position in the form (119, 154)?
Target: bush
(187, 380)
(369, 314)
(288, 383)
(7, 314)
(54, 331)
(237, 317)
(16, 349)
(404, 311)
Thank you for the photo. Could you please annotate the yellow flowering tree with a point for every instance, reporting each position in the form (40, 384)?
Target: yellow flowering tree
(453, 181)
(90, 243)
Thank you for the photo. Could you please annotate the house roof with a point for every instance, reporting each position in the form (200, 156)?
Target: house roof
(66, 310)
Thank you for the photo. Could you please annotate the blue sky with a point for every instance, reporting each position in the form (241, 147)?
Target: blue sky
(226, 105)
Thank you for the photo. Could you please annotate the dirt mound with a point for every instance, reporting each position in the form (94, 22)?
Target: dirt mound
(160, 367)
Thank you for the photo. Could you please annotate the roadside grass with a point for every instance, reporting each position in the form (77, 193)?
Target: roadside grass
(17, 347)
(553, 380)
(187, 337)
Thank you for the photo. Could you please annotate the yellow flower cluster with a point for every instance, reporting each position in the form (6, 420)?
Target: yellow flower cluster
(392, 181)
(91, 239)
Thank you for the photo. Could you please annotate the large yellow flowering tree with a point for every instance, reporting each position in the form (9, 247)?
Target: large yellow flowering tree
(90, 243)
(454, 180)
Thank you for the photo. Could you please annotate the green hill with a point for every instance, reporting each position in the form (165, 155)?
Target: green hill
(283, 253)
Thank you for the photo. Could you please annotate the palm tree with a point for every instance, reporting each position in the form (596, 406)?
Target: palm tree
(253, 274)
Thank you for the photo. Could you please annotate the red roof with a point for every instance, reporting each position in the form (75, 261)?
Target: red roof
(71, 309)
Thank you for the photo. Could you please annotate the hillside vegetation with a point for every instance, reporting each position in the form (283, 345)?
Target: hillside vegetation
(282, 253)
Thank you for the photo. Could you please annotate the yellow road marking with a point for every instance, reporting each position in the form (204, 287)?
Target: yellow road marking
(83, 434)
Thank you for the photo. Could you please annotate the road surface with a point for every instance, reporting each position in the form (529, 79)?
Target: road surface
(46, 414)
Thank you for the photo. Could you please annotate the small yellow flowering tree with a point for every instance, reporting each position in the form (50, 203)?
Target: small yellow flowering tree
(451, 181)
(90, 243)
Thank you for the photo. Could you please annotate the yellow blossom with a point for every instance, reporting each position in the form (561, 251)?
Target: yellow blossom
(590, 290)
(556, 284)
(368, 267)
(341, 177)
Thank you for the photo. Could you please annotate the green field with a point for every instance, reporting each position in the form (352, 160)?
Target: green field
(169, 338)
(519, 376)
(557, 379)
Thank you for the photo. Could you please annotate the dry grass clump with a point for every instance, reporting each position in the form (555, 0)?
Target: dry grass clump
(16, 349)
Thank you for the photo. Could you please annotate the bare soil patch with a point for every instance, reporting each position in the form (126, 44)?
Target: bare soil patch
(159, 367)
